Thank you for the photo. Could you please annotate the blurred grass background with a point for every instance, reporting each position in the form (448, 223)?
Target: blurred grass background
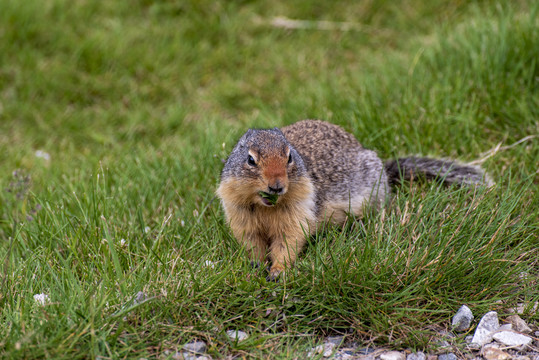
(137, 103)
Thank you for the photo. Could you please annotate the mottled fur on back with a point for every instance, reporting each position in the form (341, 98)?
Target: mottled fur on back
(280, 185)
(346, 176)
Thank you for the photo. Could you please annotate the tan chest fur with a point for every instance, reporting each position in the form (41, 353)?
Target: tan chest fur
(293, 214)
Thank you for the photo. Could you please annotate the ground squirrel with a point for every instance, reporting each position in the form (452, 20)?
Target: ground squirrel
(279, 185)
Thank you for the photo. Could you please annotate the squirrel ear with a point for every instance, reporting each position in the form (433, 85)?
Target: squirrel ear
(245, 136)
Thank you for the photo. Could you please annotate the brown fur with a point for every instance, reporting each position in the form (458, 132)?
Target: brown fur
(320, 174)
(315, 171)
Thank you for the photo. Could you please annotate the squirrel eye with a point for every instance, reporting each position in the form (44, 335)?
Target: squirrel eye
(251, 161)
(290, 158)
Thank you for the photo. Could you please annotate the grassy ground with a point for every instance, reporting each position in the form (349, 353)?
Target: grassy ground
(137, 103)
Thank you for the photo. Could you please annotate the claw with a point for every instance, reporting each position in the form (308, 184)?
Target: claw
(272, 278)
(274, 272)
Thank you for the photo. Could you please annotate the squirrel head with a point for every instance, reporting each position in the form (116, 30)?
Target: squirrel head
(266, 166)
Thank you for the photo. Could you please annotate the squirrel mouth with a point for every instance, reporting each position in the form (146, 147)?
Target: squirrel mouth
(268, 199)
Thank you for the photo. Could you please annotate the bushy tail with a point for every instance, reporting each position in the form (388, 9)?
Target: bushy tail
(447, 171)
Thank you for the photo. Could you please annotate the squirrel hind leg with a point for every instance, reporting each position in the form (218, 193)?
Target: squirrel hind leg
(370, 198)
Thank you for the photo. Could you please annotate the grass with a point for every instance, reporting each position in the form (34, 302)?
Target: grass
(137, 104)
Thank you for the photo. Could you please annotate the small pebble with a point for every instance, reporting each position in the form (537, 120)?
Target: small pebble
(462, 319)
(325, 349)
(43, 155)
(448, 356)
(392, 355)
(416, 356)
(510, 338)
(519, 324)
(342, 356)
(41, 299)
(337, 340)
(492, 353)
(237, 335)
(195, 347)
(487, 325)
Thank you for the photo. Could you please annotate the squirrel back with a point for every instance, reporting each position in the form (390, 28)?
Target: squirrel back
(346, 176)
(280, 184)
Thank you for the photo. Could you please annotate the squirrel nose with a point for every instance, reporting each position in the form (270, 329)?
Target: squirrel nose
(275, 189)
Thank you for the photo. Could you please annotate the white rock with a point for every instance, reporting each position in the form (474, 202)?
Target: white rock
(392, 355)
(41, 299)
(519, 324)
(337, 340)
(488, 324)
(237, 335)
(416, 356)
(511, 338)
(462, 319)
(195, 347)
(449, 356)
(325, 349)
(43, 155)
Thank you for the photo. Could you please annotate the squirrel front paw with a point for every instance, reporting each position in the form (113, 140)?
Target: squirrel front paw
(274, 272)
